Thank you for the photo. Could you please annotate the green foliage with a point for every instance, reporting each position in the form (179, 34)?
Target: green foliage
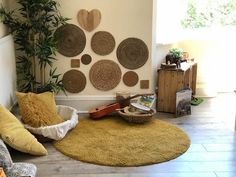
(176, 52)
(33, 26)
(53, 83)
(215, 12)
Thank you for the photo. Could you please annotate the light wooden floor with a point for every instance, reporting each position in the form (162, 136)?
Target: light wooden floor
(212, 152)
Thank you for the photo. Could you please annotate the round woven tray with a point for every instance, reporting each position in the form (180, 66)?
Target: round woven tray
(105, 75)
(74, 81)
(71, 40)
(103, 43)
(130, 78)
(86, 59)
(132, 53)
(136, 118)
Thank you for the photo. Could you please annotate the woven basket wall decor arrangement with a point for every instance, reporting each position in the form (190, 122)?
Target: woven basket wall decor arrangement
(132, 53)
(74, 81)
(130, 78)
(89, 20)
(102, 43)
(105, 75)
(86, 59)
(71, 40)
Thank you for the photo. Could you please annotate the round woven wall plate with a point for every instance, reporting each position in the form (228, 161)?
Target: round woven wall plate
(102, 43)
(130, 78)
(105, 75)
(132, 53)
(71, 40)
(86, 59)
(74, 81)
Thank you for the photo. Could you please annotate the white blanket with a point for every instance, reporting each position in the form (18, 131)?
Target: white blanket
(58, 131)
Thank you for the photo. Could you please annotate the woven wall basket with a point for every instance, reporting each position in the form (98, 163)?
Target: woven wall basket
(105, 75)
(130, 78)
(132, 53)
(86, 59)
(71, 40)
(74, 81)
(102, 43)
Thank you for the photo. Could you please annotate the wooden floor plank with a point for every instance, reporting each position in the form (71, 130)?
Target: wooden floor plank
(142, 175)
(207, 156)
(196, 148)
(230, 147)
(226, 174)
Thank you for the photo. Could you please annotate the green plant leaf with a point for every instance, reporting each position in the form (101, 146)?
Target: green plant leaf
(33, 25)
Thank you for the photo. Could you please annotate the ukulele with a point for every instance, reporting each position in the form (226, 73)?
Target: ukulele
(102, 111)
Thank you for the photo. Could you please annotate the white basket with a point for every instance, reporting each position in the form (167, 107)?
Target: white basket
(58, 131)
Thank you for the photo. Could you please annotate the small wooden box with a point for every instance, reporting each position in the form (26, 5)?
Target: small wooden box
(172, 80)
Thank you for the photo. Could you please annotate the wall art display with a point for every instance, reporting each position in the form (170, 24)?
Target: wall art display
(144, 84)
(132, 53)
(75, 63)
(71, 40)
(86, 59)
(89, 20)
(74, 81)
(105, 75)
(102, 43)
(130, 78)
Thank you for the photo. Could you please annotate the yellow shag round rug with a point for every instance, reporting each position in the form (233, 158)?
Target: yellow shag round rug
(114, 142)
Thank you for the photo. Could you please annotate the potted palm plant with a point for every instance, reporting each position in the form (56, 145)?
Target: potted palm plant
(32, 26)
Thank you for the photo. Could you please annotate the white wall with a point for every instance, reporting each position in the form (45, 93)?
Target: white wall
(3, 29)
(123, 19)
(7, 65)
(7, 71)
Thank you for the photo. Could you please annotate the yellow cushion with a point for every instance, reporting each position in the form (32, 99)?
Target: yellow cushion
(15, 135)
(38, 110)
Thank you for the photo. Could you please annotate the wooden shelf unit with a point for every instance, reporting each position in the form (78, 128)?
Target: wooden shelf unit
(169, 81)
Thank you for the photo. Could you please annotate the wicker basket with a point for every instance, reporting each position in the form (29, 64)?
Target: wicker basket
(136, 118)
(58, 131)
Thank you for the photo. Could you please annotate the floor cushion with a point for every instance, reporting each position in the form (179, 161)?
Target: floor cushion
(15, 135)
(38, 110)
(22, 169)
(5, 158)
(14, 169)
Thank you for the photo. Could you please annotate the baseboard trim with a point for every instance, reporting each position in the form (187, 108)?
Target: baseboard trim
(86, 97)
(84, 103)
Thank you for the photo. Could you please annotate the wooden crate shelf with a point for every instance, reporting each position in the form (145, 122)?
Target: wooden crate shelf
(170, 81)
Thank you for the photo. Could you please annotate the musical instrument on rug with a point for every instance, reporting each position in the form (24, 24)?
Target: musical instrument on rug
(101, 111)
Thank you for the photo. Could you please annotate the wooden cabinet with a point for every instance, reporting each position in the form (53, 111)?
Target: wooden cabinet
(170, 81)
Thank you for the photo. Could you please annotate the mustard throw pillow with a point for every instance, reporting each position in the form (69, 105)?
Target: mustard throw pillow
(15, 135)
(38, 110)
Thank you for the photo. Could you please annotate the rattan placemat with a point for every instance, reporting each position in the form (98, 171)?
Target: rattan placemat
(86, 59)
(75, 63)
(132, 53)
(74, 81)
(144, 84)
(102, 43)
(71, 40)
(130, 78)
(105, 75)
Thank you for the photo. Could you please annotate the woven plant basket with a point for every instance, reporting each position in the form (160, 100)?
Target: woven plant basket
(137, 118)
